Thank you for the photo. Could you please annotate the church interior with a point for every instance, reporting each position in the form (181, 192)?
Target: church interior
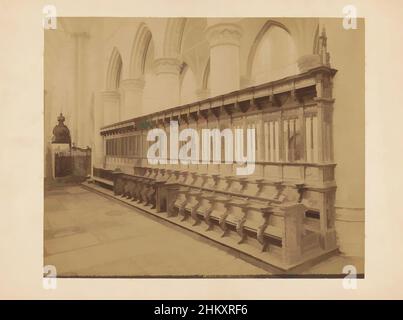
(298, 82)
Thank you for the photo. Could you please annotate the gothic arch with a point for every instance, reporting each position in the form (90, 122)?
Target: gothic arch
(206, 75)
(114, 70)
(173, 37)
(139, 51)
(269, 24)
(305, 33)
(184, 68)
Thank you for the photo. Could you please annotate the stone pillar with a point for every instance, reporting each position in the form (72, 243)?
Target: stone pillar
(167, 84)
(131, 98)
(47, 134)
(106, 111)
(110, 102)
(79, 116)
(224, 40)
(98, 147)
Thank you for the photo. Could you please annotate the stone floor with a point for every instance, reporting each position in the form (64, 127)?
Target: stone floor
(86, 234)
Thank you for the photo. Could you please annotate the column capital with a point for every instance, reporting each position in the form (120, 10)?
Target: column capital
(132, 84)
(224, 34)
(167, 65)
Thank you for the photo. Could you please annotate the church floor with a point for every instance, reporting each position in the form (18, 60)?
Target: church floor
(86, 235)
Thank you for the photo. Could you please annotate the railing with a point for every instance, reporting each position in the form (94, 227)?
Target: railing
(76, 162)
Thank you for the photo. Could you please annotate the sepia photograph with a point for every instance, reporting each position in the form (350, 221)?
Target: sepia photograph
(200, 157)
(200, 147)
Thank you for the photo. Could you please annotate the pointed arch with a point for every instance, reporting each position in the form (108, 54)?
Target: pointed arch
(206, 75)
(184, 68)
(173, 37)
(140, 47)
(269, 24)
(273, 54)
(114, 70)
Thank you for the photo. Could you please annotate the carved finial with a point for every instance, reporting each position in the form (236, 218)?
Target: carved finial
(322, 45)
(61, 133)
(61, 118)
(323, 35)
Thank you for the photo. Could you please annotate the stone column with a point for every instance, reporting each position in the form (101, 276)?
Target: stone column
(110, 103)
(131, 98)
(98, 147)
(79, 116)
(167, 83)
(224, 40)
(106, 111)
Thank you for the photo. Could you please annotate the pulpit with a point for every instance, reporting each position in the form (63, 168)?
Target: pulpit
(60, 149)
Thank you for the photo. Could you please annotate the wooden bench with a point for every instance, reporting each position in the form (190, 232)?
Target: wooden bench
(224, 205)
(102, 180)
